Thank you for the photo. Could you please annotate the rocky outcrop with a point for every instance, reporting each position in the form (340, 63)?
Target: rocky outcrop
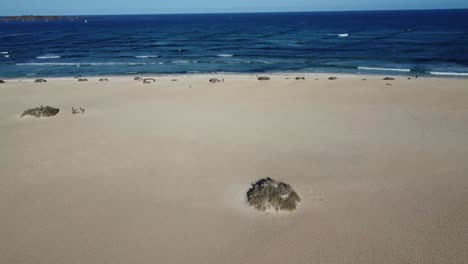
(268, 194)
(41, 111)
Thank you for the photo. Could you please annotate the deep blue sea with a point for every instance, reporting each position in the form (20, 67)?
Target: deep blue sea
(398, 42)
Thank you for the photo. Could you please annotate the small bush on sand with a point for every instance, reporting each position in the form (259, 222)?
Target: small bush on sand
(41, 111)
(267, 193)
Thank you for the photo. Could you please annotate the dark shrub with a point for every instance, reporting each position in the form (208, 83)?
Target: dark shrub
(267, 193)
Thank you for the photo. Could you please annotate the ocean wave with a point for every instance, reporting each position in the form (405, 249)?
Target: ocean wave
(78, 64)
(146, 56)
(183, 61)
(225, 55)
(383, 69)
(46, 57)
(7, 56)
(450, 73)
(343, 35)
(4, 52)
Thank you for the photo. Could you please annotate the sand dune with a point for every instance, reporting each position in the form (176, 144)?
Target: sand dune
(157, 173)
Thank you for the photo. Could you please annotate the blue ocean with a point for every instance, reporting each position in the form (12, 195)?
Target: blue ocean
(390, 42)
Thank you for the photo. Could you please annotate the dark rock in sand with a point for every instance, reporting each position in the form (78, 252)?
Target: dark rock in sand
(333, 78)
(174, 80)
(270, 194)
(214, 80)
(149, 80)
(388, 79)
(138, 79)
(300, 78)
(263, 78)
(2, 81)
(40, 81)
(41, 111)
(82, 80)
(103, 80)
(389, 84)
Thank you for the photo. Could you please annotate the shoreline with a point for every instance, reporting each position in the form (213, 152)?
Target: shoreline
(228, 74)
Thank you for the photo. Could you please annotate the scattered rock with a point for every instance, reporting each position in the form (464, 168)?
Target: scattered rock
(214, 80)
(388, 79)
(263, 78)
(149, 80)
(103, 80)
(138, 79)
(80, 110)
(269, 194)
(41, 111)
(300, 78)
(40, 81)
(82, 80)
(333, 78)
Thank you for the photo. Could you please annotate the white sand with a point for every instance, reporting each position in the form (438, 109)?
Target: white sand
(157, 173)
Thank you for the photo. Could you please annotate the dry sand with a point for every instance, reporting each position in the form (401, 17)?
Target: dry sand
(157, 173)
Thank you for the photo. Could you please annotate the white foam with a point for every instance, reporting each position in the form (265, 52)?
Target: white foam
(450, 73)
(343, 35)
(225, 55)
(146, 56)
(384, 69)
(81, 64)
(7, 56)
(4, 52)
(46, 57)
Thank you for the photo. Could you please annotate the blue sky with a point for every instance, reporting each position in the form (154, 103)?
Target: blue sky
(87, 7)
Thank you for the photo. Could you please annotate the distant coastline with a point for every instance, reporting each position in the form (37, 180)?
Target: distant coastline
(39, 18)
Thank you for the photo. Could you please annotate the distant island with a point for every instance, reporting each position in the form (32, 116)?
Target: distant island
(38, 18)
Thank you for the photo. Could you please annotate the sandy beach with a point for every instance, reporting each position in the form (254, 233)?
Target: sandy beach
(157, 173)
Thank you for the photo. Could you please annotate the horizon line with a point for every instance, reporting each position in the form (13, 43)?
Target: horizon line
(250, 12)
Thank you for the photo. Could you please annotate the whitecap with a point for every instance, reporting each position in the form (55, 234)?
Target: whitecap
(343, 35)
(4, 52)
(180, 61)
(146, 56)
(225, 55)
(7, 56)
(450, 73)
(46, 57)
(383, 69)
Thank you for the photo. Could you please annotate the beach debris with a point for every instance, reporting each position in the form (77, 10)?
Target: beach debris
(333, 78)
(300, 78)
(82, 80)
(409, 78)
(267, 194)
(388, 79)
(263, 78)
(2, 81)
(40, 81)
(389, 84)
(79, 110)
(287, 78)
(138, 79)
(174, 80)
(41, 111)
(149, 80)
(103, 80)
(363, 79)
(214, 80)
